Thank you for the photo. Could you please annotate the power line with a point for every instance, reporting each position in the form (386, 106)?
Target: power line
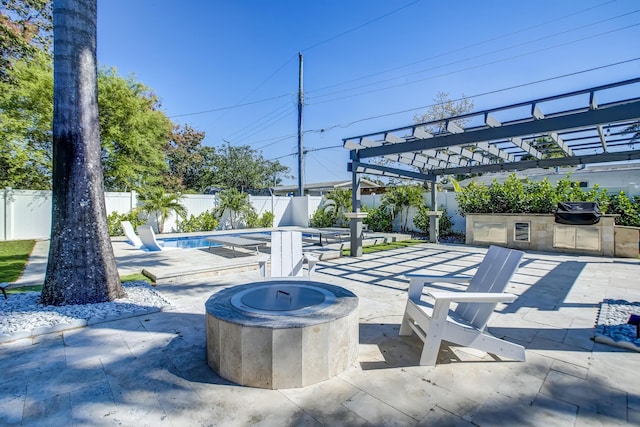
(414, 109)
(345, 125)
(360, 26)
(488, 53)
(463, 48)
(477, 66)
(213, 110)
(241, 104)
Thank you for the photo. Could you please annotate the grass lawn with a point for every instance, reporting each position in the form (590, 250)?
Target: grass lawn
(385, 247)
(13, 257)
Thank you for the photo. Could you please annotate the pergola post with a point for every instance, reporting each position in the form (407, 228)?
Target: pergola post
(434, 217)
(355, 222)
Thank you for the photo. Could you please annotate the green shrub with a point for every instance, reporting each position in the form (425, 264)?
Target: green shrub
(322, 218)
(251, 219)
(422, 220)
(542, 197)
(378, 219)
(266, 220)
(629, 210)
(114, 219)
(206, 221)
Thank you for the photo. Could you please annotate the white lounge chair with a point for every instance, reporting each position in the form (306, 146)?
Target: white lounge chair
(130, 233)
(287, 258)
(466, 325)
(148, 238)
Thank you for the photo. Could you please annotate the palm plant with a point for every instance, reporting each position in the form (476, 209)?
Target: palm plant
(400, 199)
(160, 203)
(339, 202)
(236, 203)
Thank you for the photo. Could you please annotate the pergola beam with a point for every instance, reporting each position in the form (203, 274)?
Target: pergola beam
(600, 116)
(543, 163)
(603, 139)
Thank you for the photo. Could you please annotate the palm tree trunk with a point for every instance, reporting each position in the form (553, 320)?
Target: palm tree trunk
(82, 267)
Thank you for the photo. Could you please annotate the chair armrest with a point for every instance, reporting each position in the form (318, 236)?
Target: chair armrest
(418, 280)
(428, 278)
(312, 262)
(262, 262)
(488, 297)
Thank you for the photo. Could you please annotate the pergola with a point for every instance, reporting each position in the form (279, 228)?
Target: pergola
(580, 127)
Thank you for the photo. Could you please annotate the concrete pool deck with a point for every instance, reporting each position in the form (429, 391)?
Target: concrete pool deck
(174, 265)
(151, 370)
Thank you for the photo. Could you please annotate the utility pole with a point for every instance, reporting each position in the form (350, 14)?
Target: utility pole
(300, 148)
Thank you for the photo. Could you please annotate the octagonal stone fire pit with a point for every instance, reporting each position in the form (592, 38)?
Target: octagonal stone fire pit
(281, 333)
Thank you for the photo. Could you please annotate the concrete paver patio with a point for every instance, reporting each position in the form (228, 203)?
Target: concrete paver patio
(151, 370)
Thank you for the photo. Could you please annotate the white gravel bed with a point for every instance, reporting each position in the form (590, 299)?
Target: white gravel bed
(612, 327)
(22, 315)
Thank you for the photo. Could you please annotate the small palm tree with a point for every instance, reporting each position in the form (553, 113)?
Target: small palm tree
(236, 203)
(400, 199)
(339, 202)
(160, 203)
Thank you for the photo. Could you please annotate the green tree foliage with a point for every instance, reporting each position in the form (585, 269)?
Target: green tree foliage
(242, 168)
(185, 159)
(134, 133)
(161, 204)
(236, 203)
(339, 202)
(26, 114)
(400, 199)
(25, 30)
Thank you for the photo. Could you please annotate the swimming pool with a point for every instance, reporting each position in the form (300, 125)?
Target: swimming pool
(194, 242)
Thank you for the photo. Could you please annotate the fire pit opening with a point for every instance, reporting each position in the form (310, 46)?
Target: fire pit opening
(283, 298)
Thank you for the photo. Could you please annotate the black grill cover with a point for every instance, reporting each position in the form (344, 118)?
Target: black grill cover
(578, 213)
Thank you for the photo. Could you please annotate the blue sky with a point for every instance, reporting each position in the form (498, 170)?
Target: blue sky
(362, 59)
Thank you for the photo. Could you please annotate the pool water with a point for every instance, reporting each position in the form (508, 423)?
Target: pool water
(194, 242)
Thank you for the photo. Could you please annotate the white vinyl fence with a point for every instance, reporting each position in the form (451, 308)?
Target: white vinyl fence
(26, 214)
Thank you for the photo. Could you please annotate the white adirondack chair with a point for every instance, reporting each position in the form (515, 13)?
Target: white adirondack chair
(287, 258)
(466, 325)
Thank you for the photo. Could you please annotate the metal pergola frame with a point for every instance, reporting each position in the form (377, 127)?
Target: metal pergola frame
(562, 130)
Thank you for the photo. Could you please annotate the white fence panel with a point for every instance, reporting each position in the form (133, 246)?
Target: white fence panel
(120, 202)
(27, 214)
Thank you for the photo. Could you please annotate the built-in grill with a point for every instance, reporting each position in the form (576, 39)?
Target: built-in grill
(578, 213)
